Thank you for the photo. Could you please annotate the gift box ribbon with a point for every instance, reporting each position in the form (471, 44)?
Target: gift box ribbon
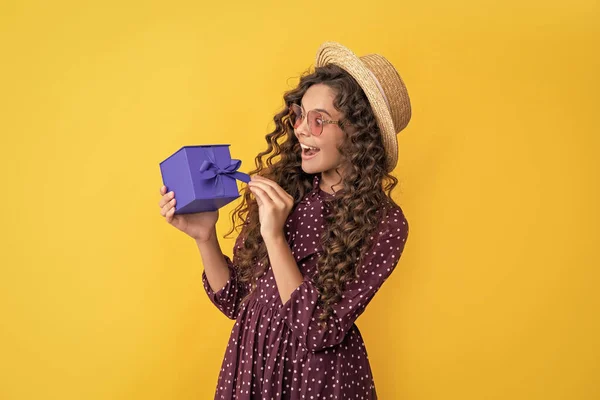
(209, 170)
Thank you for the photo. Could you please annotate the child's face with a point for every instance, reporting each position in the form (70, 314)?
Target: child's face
(327, 157)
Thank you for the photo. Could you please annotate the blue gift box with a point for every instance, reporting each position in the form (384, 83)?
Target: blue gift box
(202, 177)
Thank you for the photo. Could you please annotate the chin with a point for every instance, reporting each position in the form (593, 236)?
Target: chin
(310, 169)
(318, 165)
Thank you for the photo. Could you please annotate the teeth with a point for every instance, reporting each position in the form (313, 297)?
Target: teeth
(308, 147)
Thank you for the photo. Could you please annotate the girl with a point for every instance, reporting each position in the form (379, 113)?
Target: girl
(319, 235)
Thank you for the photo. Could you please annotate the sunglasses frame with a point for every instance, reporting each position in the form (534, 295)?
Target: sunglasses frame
(292, 116)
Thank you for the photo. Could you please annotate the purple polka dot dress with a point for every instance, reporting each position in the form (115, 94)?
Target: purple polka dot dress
(277, 351)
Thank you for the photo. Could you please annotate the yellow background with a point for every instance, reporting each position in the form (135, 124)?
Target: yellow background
(497, 293)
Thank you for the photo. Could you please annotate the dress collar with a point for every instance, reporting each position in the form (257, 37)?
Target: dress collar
(316, 180)
(316, 189)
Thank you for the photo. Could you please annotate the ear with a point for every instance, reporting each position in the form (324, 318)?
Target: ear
(348, 129)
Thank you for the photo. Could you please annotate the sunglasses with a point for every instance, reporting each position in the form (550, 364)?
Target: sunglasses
(315, 119)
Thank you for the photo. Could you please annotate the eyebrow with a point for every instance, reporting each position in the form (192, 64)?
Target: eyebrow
(317, 109)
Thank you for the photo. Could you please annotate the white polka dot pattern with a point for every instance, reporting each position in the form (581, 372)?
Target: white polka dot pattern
(278, 351)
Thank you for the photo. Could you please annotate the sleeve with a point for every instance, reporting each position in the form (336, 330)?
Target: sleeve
(228, 298)
(301, 311)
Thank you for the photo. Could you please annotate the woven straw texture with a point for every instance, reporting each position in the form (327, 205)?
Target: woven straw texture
(375, 75)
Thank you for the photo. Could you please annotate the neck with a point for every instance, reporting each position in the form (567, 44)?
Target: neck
(328, 179)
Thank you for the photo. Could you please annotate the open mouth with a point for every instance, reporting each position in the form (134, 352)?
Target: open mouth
(309, 151)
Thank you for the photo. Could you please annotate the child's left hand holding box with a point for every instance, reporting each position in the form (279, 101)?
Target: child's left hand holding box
(202, 177)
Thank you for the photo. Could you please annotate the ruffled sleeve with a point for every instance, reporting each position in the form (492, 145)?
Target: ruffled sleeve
(227, 299)
(301, 312)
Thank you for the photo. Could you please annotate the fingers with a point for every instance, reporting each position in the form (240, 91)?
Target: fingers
(275, 186)
(166, 198)
(275, 191)
(267, 191)
(282, 193)
(167, 204)
(262, 198)
(163, 189)
(170, 214)
(170, 205)
(257, 197)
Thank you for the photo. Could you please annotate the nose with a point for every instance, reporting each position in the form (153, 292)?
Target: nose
(303, 128)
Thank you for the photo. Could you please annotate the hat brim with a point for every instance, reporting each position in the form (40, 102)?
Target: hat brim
(337, 54)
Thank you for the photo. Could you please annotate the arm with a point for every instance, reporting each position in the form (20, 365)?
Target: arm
(215, 266)
(301, 311)
(275, 205)
(220, 278)
(287, 274)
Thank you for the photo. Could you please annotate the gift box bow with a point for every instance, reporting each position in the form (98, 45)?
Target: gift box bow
(209, 170)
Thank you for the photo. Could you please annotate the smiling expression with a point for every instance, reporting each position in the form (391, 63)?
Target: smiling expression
(320, 153)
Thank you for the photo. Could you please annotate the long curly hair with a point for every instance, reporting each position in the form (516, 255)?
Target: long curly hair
(356, 208)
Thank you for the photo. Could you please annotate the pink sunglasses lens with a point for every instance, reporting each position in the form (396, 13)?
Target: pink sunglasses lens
(296, 115)
(315, 122)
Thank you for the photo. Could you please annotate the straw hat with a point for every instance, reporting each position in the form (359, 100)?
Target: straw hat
(383, 86)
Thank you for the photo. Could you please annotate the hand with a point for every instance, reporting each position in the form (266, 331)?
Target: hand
(200, 226)
(274, 206)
